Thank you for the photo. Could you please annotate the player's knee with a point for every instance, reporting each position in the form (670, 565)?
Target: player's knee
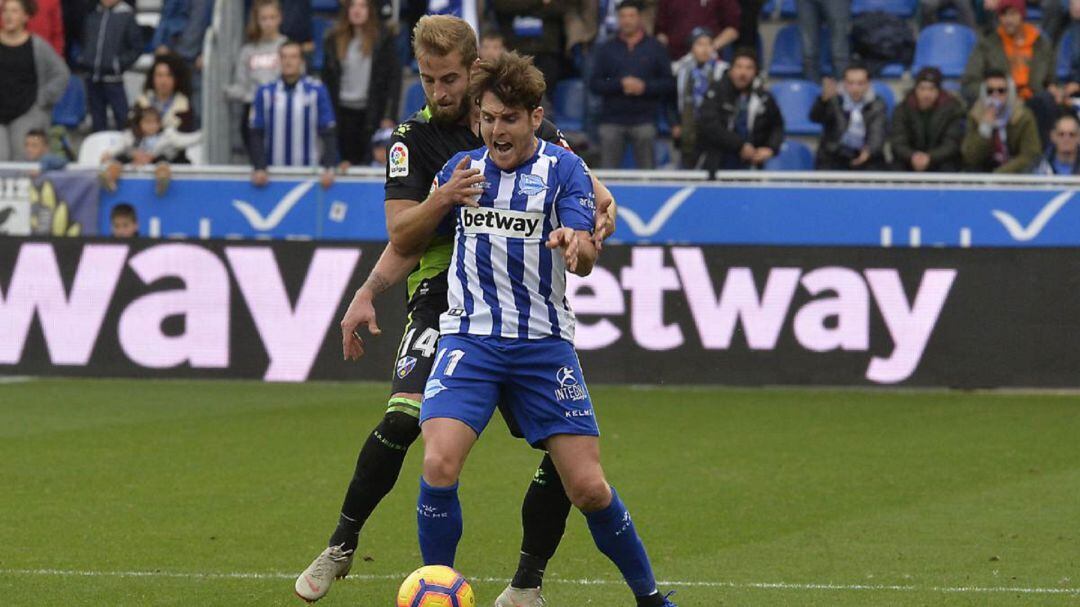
(398, 430)
(589, 494)
(441, 469)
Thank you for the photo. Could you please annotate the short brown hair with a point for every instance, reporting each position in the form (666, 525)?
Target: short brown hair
(252, 32)
(512, 78)
(441, 35)
(29, 7)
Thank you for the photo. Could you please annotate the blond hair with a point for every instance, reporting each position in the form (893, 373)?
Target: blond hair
(512, 78)
(440, 35)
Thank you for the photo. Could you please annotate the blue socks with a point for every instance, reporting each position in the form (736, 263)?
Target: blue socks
(616, 537)
(438, 518)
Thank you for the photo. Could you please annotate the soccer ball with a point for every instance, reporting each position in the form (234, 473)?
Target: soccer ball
(435, 586)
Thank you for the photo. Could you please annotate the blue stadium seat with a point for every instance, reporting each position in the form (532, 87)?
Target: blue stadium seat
(903, 8)
(883, 91)
(71, 109)
(787, 53)
(793, 156)
(892, 70)
(795, 98)
(1064, 51)
(569, 104)
(319, 27)
(787, 9)
(945, 45)
(325, 6)
(414, 100)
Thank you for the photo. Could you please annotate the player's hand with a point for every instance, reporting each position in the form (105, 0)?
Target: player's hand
(259, 178)
(604, 225)
(464, 185)
(360, 312)
(565, 239)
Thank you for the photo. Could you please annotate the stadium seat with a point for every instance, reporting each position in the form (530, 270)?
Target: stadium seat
(903, 8)
(96, 144)
(319, 27)
(569, 104)
(325, 6)
(787, 53)
(787, 9)
(883, 91)
(795, 98)
(1064, 48)
(892, 70)
(945, 45)
(793, 156)
(414, 100)
(71, 109)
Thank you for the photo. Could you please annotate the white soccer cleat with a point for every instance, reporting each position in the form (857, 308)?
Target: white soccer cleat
(520, 597)
(313, 584)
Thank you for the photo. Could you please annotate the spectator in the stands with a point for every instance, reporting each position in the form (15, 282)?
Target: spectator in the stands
(694, 74)
(167, 88)
(749, 14)
(492, 45)
(676, 19)
(836, 15)
(123, 221)
(632, 74)
(362, 73)
(1002, 136)
(36, 149)
(1072, 81)
(111, 44)
(929, 10)
(379, 141)
(48, 23)
(472, 11)
(740, 124)
(854, 123)
(1019, 49)
(259, 62)
(535, 28)
(182, 28)
(928, 126)
(293, 98)
(33, 78)
(147, 141)
(1061, 157)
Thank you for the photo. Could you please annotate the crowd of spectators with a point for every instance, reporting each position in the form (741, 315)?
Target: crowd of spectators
(688, 70)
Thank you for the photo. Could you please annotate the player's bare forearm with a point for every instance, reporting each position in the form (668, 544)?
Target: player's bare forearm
(392, 268)
(586, 254)
(412, 225)
(606, 213)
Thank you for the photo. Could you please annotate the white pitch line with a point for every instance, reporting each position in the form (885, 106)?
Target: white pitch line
(577, 582)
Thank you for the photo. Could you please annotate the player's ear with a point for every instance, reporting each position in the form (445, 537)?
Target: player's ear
(537, 117)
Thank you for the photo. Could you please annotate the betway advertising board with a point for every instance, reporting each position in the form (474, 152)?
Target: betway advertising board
(897, 215)
(710, 315)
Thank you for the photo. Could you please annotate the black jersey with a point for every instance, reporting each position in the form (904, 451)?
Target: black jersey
(417, 151)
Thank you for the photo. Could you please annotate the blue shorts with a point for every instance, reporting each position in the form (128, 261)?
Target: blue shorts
(540, 380)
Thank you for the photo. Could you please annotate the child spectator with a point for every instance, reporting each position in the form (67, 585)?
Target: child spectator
(258, 63)
(123, 221)
(492, 45)
(146, 142)
(111, 44)
(36, 149)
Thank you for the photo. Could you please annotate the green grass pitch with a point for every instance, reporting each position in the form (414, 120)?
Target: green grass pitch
(206, 493)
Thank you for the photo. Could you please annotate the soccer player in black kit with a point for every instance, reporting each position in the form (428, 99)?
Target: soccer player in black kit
(445, 48)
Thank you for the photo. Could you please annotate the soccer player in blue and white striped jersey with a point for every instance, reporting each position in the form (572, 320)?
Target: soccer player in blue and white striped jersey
(509, 331)
(291, 118)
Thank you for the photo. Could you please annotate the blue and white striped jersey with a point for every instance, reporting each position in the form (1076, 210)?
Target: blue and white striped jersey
(503, 280)
(292, 118)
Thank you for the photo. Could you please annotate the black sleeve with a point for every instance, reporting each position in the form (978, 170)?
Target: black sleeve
(328, 137)
(552, 134)
(257, 145)
(402, 177)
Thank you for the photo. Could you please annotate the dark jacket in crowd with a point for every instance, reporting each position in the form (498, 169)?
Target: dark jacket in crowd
(832, 117)
(649, 61)
(532, 27)
(717, 137)
(1045, 166)
(989, 54)
(384, 92)
(111, 42)
(938, 132)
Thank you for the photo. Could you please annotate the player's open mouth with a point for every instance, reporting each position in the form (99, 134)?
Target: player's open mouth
(502, 148)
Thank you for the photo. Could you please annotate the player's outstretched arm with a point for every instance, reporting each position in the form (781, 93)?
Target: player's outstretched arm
(391, 269)
(577, 248)
(412, 225)
(605, 213)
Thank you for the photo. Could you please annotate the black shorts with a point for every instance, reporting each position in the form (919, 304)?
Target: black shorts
(415, 357)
